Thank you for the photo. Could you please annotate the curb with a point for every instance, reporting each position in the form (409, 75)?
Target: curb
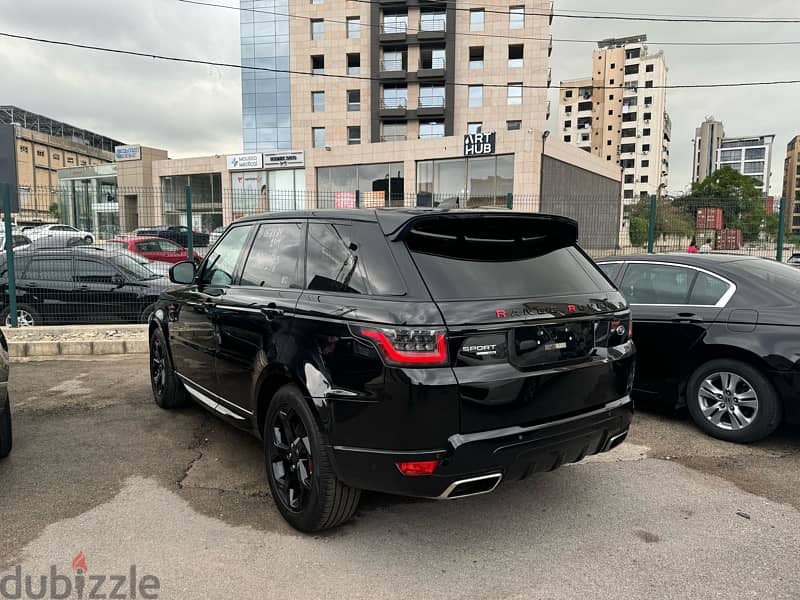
(76, 341)
(75, 348)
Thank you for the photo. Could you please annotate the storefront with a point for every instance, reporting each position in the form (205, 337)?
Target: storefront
(206, 189)
(267, 182)
(88, 199)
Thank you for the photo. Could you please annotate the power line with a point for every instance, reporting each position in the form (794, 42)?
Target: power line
(203, 62)
(622, 17)
(487, 35)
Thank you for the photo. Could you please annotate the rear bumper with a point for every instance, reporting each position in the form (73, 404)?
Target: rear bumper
(511, 453)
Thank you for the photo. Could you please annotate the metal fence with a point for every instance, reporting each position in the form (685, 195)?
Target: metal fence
(96, 254)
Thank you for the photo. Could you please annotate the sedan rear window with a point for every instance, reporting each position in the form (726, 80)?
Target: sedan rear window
(775, 275)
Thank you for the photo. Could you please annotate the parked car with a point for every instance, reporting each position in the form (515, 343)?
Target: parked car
(154, 248)
(423, 353)
(176, 233)
(5, 407)
(58, 231)
(794, 260)
(718, 334)
(157, 267)
(79, 285)
(18, 242)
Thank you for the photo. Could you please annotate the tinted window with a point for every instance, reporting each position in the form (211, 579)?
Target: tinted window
(49, 269)
(220, 264)
(133, 266)
(611, 269)
(149, 246)
(167, 246)
(557, 272)
(656, 284)
(276, 258)
(780, 277)
(351, 258)
(89, 271)
(707, 290)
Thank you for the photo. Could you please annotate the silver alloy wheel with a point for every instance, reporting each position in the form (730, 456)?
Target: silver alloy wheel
(24, 319)
(728, 401)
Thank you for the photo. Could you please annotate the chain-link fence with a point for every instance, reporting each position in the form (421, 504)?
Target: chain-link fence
(101, 254)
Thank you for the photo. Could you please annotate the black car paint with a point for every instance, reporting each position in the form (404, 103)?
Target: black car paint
(65, 302)
(757, 325)
(236, 345)
(177, 234)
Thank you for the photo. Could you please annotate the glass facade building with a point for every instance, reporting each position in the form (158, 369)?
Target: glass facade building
(266, 100)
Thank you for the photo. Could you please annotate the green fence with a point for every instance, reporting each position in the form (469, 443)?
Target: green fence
(100, 254)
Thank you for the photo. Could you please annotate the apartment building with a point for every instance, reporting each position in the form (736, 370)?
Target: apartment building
(622, 109)
(791, 181)
(707, 140)
(405, 100)
(750, 155)
(33, 147)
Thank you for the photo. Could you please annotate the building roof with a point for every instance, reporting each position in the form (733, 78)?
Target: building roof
(12, 115)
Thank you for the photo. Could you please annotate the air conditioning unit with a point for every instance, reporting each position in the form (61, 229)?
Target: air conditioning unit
(645, 152)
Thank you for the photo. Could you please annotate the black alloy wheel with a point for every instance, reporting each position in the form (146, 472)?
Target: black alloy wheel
(291, 462)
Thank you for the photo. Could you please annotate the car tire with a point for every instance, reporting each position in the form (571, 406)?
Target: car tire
(304, 487)
(144, 316)
(733, 401)
(27, 316)
(5, 428)
(168, 390)
(89, 239)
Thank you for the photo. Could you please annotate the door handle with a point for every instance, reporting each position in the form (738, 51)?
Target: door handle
(687, 318)
(272, 311)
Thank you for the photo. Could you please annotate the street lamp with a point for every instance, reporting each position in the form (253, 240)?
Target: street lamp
(545, 135)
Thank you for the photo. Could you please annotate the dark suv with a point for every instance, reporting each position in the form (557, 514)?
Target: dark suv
(85, 284)
(419, 352)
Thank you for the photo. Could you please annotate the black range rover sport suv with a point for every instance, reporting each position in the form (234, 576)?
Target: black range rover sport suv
(418, 352)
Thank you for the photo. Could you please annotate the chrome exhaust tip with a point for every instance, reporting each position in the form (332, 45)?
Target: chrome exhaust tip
(472, 486)
(615, 441)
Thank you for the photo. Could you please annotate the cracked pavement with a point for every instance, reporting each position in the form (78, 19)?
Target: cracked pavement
(98, 468)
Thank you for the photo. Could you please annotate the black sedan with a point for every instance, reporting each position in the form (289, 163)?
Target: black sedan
(5, 409)
(719, 334)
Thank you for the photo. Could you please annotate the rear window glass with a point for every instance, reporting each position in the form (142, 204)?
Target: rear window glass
(775, 275)
(351, 259)
(557, 272)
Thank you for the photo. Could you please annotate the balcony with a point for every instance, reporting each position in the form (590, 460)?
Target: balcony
(394, 30)
(431, 106)
(394, 107)
(393, 68)
(630, 90)
(396, 137)
(432, 26)
(433, 68)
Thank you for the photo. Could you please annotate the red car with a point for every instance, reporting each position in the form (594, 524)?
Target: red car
(154, 248)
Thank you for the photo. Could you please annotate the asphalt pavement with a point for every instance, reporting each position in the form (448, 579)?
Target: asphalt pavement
(98, 469)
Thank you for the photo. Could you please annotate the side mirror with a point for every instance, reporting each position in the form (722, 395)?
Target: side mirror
(182, 272)
(118, 280)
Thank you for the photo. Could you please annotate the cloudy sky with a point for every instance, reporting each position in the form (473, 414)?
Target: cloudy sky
(195, 110)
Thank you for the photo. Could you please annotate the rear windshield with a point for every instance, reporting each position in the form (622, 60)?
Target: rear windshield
(485, 265)
(775, 275)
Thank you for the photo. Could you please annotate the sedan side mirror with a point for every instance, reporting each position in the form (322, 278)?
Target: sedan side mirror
(118, 280)
(182, 272)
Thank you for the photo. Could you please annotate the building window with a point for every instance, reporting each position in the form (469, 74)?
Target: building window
(476, 95)
(515, 125)
(395, 97)
(353, 135)
(317, 65)
(645, 131)
(70, 160)
(648, 100)
(584, 137)
(628, 194)
(567, 138)
(648, 83)
(730, 155)
(431, 96)
(515, 53)
(316, 1)
(353, 100)
(394, 60)
(431, 58)
(568, 110)
(608, 157)
(755, 153)
(395, 23)
(354, 64)
(317, 29)
(611, 82)
(516, 17)
(645, 147)
(610, 113)
(40, 153)
(568, 94)
(611, 128)
(754, 167)
(648, 116)
(613, 66)
(317, 101)
(649, 68)
(393, 132)
(24, 149)
(474, 127)
(431, 129)
(514, 94)
(56, 156)
(353, 27)
(476, 19)
(645, 179)
(476, 57)
(645, 164)
(84, 163)
(567, 124)
(318, 135)
(629, 178)
(632, 69)
(432, 21)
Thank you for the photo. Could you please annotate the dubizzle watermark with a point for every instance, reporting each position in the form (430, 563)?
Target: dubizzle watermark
(78, 584)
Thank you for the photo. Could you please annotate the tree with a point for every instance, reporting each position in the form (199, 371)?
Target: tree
(742, 203)
(55, 210)
(670, 220)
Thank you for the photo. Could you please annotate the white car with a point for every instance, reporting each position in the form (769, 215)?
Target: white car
(59, 231)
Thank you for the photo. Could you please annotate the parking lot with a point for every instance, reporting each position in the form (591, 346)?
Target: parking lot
(98, 468)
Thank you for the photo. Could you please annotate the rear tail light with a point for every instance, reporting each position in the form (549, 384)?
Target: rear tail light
(407, 346)
(417, 468)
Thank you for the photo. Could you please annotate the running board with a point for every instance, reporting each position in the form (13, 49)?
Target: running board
(208, 401)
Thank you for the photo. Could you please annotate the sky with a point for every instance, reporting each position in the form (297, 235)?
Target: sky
(194, 110)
